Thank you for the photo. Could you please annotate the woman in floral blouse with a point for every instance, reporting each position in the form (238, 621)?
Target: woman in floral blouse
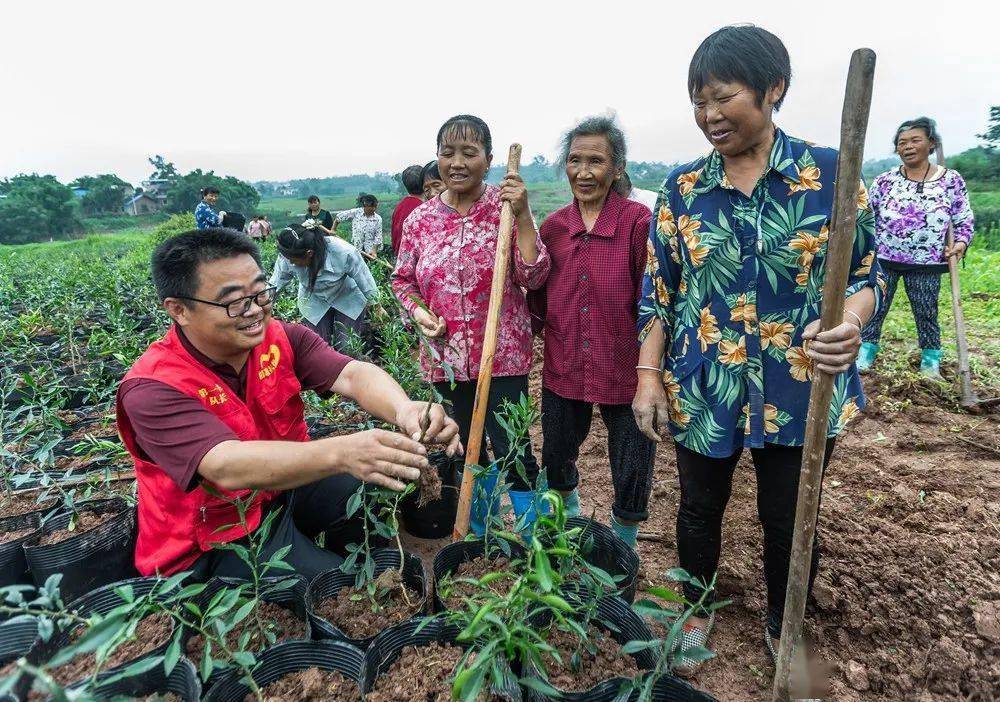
(735, 268)
(915, 205)
(443, 276)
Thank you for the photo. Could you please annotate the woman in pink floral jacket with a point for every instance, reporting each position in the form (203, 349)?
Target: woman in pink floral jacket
(443, 276)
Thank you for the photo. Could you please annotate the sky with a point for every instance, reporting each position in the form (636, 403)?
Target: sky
(290, 89)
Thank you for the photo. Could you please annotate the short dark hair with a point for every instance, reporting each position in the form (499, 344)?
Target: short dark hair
(926, 123)
(465, 126)
(211, 189)
(745, 54)
(175, 261)
(412, 179)
(366, 200)
(312, 198)
(431, 171)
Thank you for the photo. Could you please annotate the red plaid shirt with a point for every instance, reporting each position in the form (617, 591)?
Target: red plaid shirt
(589, 301)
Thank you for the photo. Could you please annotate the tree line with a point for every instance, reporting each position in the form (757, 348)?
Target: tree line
(38, 207)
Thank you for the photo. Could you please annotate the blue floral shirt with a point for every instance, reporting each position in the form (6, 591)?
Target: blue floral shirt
(734, 280)
(205, 217)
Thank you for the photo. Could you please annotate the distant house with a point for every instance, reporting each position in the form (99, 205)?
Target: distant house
(157, 188)
(80, 192)
(142, 204)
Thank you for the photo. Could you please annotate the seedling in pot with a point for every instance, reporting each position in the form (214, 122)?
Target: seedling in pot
(262, 569)
(380, 514)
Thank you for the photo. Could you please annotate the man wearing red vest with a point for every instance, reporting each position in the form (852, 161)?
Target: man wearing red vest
(212, 412)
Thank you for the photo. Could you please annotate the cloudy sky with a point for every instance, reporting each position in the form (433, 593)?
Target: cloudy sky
(278, 90)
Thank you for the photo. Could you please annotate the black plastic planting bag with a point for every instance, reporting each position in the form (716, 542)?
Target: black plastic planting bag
(292, 598)
(16, 637)
(329, 583)
(449, 558)
(389, 645)
(182, 681)
(90, 559)
(13, 566)
(100, 601)
(291, 657)
(436, 519)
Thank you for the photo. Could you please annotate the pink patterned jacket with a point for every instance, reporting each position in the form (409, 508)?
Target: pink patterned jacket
(446, 261)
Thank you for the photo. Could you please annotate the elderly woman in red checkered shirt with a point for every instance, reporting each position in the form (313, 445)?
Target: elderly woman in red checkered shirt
(597, 251)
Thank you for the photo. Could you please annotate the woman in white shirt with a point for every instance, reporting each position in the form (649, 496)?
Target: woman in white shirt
(366, 225)
(335, 285)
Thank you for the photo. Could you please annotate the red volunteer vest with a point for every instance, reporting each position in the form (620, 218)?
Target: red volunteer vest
(177, 526)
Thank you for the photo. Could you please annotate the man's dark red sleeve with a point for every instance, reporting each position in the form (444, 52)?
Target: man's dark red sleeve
(173, 430)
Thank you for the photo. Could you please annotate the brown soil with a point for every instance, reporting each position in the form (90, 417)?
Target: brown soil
(284, 622)
(907, 601)
(13, 504)
(420, 673)
(152, 632)
(351, 611)
(98, 431)
(75, 463)
(475, 569)
(10, 536)
(311, 685)
(159, 697)
(85, 521)
(429, 485)
(604, 662)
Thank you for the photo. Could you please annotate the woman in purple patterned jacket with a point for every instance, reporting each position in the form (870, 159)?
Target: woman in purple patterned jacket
(915, 204)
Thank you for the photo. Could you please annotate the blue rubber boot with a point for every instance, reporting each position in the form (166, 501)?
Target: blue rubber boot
(571, 503)
(485, 500)
(527, 505)
(629, 533)
(930, 364)
(866, 356)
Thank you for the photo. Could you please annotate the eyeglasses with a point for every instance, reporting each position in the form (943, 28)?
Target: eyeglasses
(239, 306)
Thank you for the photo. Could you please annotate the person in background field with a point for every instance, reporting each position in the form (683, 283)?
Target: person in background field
(736, 294)
(593, 277)
(265, 227)
(213, 412)
(254, 228)
(646, 197)
(335, 284)
(443, 278)
(412, 179)
(205, 216)
(433, 185)
(915, 205)
(323, 219)
(366, 225)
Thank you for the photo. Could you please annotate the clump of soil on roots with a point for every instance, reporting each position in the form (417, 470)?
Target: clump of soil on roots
(310, 685)
(350, 610)
(429, 485)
